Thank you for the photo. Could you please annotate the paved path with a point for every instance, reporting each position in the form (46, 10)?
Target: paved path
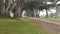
(54, 26)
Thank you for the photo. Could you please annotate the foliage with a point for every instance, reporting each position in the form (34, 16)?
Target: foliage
(32, 4)
(37, 5)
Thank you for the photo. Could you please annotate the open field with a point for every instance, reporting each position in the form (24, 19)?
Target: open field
(20, 26)
(52, 19)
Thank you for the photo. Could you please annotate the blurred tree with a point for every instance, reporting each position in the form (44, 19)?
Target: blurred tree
(1, 6)
(31, 5)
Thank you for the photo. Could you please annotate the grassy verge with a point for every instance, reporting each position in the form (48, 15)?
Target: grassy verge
(11, 26)
(52, 19)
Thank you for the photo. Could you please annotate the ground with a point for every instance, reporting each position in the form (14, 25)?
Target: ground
(52, 25)
(21, 26)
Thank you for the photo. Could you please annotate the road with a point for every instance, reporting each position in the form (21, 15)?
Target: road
(54, 26)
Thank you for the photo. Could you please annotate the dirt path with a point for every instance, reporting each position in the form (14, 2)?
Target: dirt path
(54, 26)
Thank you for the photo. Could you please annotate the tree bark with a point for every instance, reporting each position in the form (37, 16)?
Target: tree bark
(1, 6)
(46, 14)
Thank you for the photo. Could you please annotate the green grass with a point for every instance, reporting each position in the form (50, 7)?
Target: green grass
(9, 26)
(52, 19)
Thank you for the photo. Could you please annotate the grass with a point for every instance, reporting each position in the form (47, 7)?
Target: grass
(11, 26)
(52, 19)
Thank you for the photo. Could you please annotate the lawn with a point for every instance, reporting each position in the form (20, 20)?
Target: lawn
(19, 26)
(52, 19)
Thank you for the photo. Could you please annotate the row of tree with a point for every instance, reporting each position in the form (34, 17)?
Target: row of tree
(31, 7)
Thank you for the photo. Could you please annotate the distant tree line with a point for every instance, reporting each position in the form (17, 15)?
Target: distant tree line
(31, 7)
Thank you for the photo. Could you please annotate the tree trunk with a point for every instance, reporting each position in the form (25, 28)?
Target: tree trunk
(39, 14)
(7, 7)
(29, 13)
(46, 14)
(57, 11)
(20, 11)
(20, 4)
(1, 6)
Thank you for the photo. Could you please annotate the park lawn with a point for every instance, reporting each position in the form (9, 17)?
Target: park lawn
(52, 19)
(19, 26)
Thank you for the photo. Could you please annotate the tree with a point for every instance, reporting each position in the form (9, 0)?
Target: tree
(20, 5)
(44, 6)
(31, 6)
(57, 7)
(14, 6)
(1, 6)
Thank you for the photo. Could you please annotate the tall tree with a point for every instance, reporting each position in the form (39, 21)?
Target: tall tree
(32, 5)
(1, 6)
(20, 4)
